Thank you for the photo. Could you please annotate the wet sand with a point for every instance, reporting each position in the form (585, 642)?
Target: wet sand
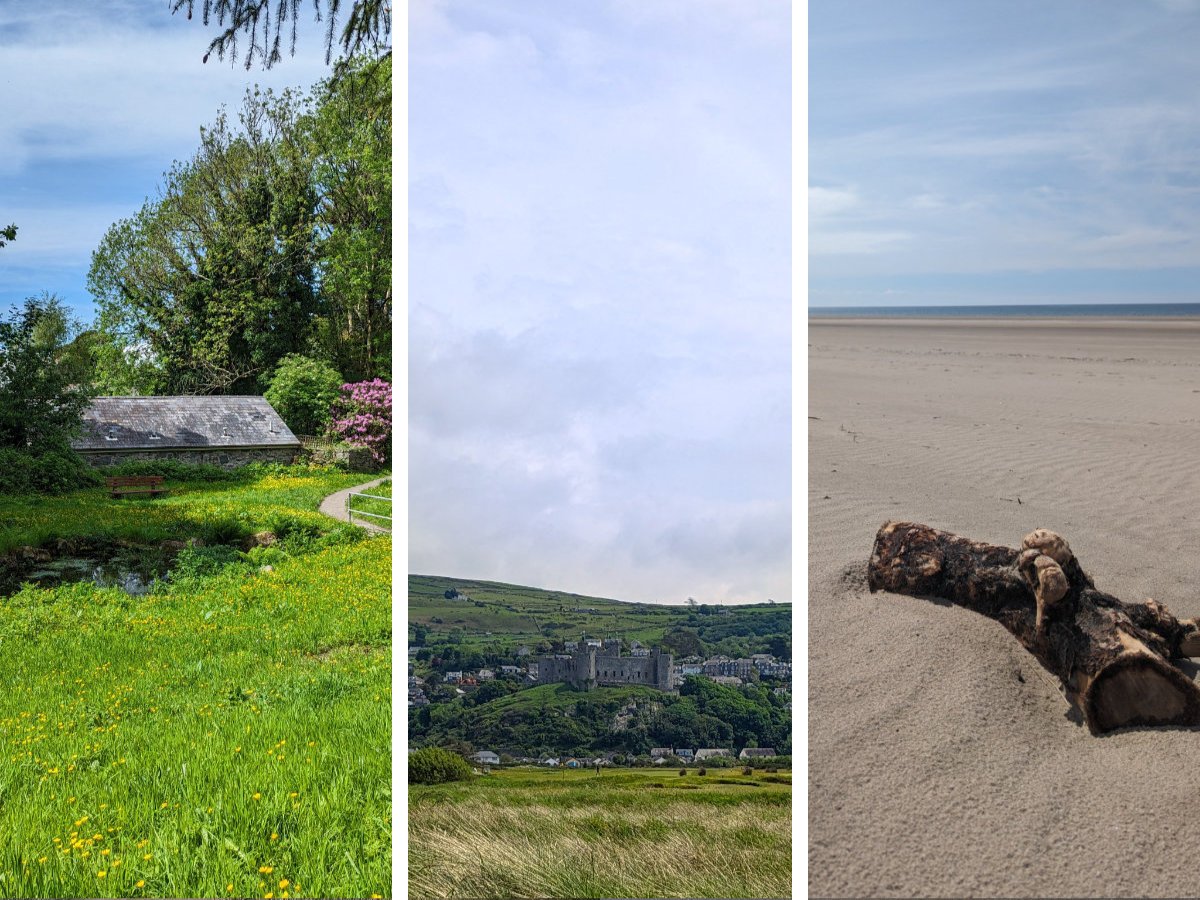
(943, 759)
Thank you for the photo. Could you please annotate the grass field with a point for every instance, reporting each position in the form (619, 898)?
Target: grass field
(622, 833)
(227, 734)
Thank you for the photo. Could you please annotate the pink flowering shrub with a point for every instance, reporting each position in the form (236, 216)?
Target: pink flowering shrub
(362, 415)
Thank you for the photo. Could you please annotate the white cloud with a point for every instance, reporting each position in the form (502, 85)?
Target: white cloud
(600, 292)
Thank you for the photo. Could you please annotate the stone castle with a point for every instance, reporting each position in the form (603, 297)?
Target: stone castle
(592, 666)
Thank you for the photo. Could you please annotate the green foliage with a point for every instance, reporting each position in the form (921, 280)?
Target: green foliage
(302, 391)
(174, 470)
(42, 396)
(433, 765)
(215, 277)
(7, 233)
(349, 137)
(50, 472)
(272, 240)
(205, 562)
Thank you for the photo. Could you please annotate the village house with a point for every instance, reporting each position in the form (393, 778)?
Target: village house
(486, 674)
(755, 752)
(656, 752)
(510, 670)
(710, 752)
(214, 430)
(487, 758)
(685, 754)
(454, 677)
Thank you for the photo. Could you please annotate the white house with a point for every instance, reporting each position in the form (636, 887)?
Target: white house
(752, 752)
(487, 757)
(710, 752)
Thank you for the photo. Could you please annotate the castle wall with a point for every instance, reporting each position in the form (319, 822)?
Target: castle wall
(593, 666)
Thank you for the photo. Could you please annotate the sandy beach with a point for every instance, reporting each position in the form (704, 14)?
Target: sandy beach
(943, 761)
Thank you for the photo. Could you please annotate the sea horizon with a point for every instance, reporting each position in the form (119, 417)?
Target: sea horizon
(1012, 310)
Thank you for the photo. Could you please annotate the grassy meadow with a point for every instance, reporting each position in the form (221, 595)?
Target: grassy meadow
(226, 734)
(621, 833)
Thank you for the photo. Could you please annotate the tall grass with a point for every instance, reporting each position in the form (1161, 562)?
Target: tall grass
(227, 735)
(528, 833)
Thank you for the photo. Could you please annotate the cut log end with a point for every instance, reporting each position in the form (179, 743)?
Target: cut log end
(1140, 690)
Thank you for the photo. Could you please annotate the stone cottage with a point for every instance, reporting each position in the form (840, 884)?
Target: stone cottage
(219, 431)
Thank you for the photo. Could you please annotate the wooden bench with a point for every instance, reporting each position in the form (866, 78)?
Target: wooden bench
(135, 484)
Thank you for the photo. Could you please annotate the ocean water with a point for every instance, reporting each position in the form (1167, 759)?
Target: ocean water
(1062, 310)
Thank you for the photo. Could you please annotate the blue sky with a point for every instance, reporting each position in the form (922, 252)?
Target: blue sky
(1004, 152)
(96, 100)
(600, 287)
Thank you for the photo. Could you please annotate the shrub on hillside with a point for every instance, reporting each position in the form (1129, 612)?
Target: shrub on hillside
(436, 766)
(303, 391)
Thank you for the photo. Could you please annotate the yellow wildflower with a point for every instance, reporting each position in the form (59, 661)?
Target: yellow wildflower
(283, 882)
(101, 874)
(141, 883)
(266, 870)
(257, 796)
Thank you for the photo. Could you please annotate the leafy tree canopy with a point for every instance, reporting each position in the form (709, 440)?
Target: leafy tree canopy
(273, 239)
(7, 233)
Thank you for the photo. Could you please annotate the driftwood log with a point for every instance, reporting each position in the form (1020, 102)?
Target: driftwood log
(1113, 658)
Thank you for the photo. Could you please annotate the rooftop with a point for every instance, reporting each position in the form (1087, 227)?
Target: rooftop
(148, 423)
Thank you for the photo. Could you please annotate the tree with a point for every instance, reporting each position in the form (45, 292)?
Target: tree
(214, 280)
(7, 233)
(349, 138)
(273, 239)
(303, 391)
(40, 406)
(264, 23)
(43, 392)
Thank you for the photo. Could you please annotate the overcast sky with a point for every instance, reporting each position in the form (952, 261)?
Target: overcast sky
(599, 296)
(97, 99)
(1004, 152)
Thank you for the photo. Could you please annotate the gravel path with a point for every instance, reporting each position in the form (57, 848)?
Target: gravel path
(335, 504)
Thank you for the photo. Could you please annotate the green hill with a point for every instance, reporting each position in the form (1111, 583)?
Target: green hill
(462, 625)
(488, 614)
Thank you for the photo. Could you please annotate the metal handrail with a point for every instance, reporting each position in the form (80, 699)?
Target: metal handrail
(351, 511)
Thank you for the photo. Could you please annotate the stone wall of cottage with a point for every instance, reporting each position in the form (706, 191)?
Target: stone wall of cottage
(226, 458)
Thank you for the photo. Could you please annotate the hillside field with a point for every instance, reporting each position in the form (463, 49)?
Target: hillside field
(509, 615)
(621, 833)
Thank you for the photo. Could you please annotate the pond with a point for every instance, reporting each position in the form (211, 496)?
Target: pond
(133, 569)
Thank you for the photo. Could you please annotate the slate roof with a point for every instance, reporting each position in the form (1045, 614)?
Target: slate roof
(164, 423)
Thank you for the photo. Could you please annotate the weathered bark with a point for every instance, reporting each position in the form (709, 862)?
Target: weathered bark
(1112, 657)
